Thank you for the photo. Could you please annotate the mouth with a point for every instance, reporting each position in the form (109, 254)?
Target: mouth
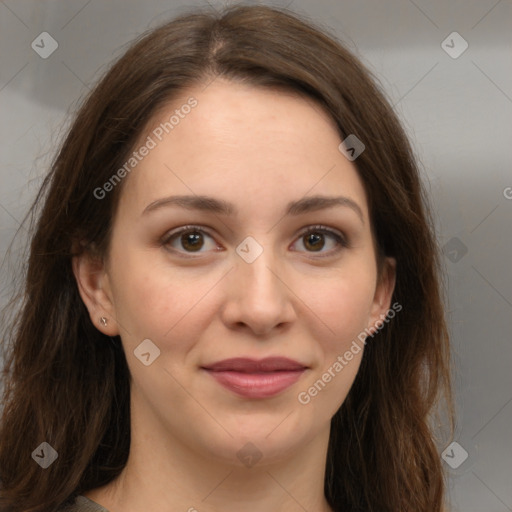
(256, 379)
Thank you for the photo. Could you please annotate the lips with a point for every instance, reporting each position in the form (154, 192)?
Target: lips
(246, 365)
(256, 379)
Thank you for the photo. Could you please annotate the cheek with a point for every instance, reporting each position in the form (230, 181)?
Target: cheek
(342, 304)
(153, 302)
(144, 301)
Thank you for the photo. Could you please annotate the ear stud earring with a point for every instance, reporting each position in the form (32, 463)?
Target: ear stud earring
(103, 321)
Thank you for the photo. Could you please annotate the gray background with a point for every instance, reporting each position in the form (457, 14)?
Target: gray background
(457, 112)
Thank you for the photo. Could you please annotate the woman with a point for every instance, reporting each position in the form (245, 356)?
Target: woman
(233, 296)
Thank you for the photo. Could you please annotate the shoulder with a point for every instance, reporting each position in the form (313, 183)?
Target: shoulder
(83, 504)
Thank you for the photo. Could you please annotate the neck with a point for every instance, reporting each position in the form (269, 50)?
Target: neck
(182, 480)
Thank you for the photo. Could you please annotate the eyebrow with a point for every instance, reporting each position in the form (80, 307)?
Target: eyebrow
(213, 205)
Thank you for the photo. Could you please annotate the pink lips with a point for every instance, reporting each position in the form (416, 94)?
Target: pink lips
(256, 379)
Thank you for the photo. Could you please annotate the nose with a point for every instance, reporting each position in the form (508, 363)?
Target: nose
(258, 299)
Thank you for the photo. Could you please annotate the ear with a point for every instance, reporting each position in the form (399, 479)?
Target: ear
(383, 293)
(94, 288)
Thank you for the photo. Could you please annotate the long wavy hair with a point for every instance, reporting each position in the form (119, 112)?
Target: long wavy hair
(68, 384)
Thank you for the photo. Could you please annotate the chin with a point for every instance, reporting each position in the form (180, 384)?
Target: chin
(260, 441)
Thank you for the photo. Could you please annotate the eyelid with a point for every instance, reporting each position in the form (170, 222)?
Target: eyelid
(188, 227)
(325, 229)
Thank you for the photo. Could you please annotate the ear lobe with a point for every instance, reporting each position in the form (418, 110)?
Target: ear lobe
(94, 288)
(383, 294)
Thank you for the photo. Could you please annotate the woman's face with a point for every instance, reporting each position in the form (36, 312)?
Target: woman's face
(279, 262)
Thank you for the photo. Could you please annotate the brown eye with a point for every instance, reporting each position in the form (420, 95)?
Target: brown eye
(189, 239)
(318, 238)
(192, 241)
(314, 241)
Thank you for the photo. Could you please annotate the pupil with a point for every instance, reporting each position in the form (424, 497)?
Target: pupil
(192, 240)
(313, 240)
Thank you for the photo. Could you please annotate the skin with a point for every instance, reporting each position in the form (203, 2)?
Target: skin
(258, 149)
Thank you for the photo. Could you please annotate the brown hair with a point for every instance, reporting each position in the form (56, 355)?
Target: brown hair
(68, 384)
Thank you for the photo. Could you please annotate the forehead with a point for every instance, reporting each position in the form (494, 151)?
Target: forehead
(242, 143)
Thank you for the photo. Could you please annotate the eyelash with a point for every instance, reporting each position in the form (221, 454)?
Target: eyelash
(337, 236)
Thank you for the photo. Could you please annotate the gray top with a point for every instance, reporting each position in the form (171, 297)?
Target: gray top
(83, 504)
